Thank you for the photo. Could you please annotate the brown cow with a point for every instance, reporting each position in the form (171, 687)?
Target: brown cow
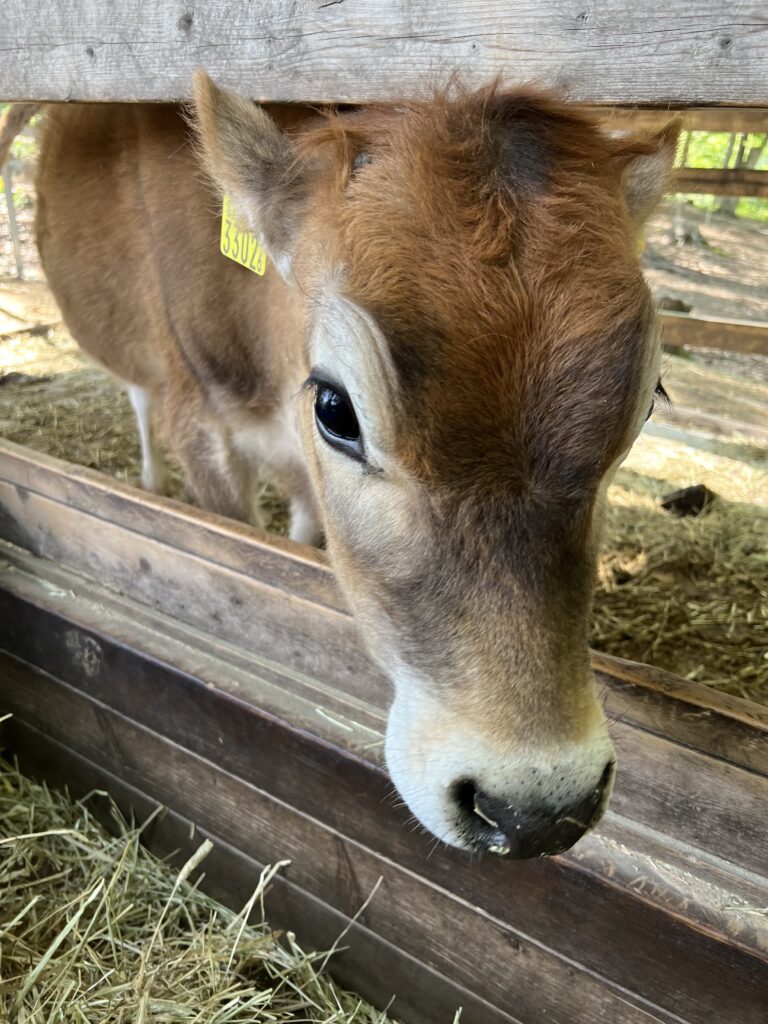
(452, 349)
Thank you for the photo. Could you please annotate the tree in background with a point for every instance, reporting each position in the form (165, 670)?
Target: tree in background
(750, 149)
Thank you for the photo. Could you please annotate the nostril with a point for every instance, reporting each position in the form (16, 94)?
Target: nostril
(464, 794)
(477, 820)
(523, 830)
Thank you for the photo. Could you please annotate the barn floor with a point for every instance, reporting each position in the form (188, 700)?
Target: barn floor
(690, 595)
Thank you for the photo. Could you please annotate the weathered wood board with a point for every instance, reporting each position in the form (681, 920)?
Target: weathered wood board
(701, 119)
(175, 657)
(723, 182)
(694, 53)
(708, 332)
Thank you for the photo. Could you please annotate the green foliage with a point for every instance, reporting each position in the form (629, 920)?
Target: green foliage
(711, 149)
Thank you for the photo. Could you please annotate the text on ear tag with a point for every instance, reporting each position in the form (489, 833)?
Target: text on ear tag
(239, 245)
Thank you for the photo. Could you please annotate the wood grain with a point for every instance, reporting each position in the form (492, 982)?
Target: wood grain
(262, 720)
(160, 552)
(707, 332)
(700, 52)
(263, 556)
(722, 182)
(689, 794)
(414, 913)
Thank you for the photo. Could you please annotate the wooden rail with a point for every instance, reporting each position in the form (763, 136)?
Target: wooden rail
(697, 53)
(703, 119)
(722, 182)
(749, 336)
(171, 656)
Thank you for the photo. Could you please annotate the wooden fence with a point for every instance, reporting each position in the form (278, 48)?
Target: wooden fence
(692, 53)
(171, 656)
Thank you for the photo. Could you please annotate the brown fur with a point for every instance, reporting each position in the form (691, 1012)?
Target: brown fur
(128, 233)
(492, 238)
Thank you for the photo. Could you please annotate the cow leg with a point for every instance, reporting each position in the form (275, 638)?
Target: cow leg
(153, 475)
(218, 477)
(305, 525)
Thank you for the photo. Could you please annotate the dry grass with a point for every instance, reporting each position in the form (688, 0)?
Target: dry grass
(690, 595)
(95, 930)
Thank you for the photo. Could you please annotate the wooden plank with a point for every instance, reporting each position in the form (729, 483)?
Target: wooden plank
(321, 733)
(749, 336)
(157, 551)
(691, 797)
(294, 568)
(698, 53)
(698, 716)
(228, 731)
(722, 182)
(298, 633)
(422, 920)
(702, 119)
(414, 912)
(309, 642)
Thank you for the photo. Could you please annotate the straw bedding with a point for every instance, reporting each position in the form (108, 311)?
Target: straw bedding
(95, 930)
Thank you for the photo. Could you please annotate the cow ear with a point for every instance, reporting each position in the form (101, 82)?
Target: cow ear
(254, 162)
(648, 169)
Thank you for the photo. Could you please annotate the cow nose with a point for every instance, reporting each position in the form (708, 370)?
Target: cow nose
(500, 827)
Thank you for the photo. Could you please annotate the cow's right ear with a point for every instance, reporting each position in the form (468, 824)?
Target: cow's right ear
(253, 161)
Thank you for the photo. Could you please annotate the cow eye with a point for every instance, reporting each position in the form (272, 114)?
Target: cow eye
(336, 420)
(360, 161)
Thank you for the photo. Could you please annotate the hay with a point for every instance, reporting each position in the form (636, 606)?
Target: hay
(688, 594)
(95, 930)
(72, 410)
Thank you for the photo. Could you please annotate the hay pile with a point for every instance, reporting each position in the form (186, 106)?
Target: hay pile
(53, 399)
(690, 595)
(95, 930)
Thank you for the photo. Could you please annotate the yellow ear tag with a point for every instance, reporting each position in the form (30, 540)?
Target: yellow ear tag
(238, 245)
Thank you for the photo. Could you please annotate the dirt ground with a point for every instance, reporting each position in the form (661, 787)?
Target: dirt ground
(688, 594)
(724, 274)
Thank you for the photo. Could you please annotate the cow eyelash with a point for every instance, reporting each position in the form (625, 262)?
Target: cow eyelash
(660, 394)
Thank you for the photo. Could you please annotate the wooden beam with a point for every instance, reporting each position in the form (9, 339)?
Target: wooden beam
(179, 658)
(703, 119)
(722, 182)
(670, 937)
(695, 53)
(749, 336)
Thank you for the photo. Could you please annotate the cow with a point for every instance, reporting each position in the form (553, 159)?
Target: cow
(450, 352)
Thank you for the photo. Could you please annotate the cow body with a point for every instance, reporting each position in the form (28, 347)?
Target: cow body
(128, 232)
(449, 354)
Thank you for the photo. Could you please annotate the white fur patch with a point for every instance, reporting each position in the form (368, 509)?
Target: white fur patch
(428, 751)
(349, 347)
(153, 475)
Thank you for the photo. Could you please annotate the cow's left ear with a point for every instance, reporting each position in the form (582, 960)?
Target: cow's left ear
(252, 160)
(647, 167)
